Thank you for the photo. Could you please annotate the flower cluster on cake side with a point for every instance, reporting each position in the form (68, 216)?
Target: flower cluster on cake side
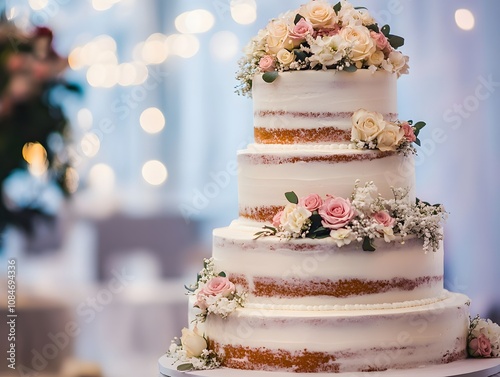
(364, 217)
(483, 339)
(215, 294)
(371, 131)
(318, 36)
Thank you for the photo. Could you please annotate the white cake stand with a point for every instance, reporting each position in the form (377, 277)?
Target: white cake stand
(461, 368)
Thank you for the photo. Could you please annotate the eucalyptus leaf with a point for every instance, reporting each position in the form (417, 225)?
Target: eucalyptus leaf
(222, 274)
(292, 197)
(269, 77)
(367, 244)
(185, 367)
(417, 141)
(351, 68)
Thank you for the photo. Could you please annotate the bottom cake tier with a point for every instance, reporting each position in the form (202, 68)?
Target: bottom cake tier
(348, 339)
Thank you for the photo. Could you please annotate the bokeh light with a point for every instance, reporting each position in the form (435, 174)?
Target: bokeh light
(90, 144)
(464, 19)
(38, 4)
(244, 12)
(85, 118)
(36, 157)
(183, 45)
(195, 21)
(154, 172)
(101, 178)
(152, 120)
(230, 42)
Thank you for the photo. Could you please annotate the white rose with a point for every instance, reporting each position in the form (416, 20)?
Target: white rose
(193, 343)
(376, 58)
(319, 13)
(285, 57)
(366, 125)
(360, 42)
(277, 37)
(294, 218)
(390, 137)
(342, 236)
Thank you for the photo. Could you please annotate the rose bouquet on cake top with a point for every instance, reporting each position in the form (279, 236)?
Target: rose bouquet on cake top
(363, 218)
(318, 36)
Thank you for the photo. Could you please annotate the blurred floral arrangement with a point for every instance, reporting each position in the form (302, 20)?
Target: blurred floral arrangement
(33, 127)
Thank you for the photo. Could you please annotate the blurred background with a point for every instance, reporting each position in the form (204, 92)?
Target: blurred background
(141, 135)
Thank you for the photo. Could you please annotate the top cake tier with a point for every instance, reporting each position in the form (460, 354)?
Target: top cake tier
(315, 107)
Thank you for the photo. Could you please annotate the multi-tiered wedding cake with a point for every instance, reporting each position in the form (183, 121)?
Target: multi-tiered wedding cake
(333, 264)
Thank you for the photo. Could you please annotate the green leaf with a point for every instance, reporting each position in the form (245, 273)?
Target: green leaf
(417, 141)
(395, 41)
(418, 126)
(222, 274)
(337, 7)
(292, 197)
(367, 244)
(386, 29)
(269, 77)
(351, 68)
(189, 288)
(360, 8)
(298, 17)
(185, 367)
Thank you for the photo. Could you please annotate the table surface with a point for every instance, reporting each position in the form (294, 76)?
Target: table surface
(461, 368)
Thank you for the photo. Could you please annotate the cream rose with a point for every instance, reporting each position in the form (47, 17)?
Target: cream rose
(390, 137)
(319, 13)
(294, 218)
(193, 343)
(278, 37)
(376, 58)
(285, 57)
(361, 44)
(366, 125)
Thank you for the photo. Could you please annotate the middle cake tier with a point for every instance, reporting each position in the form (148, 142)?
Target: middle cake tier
(309, 272)
(267, 172)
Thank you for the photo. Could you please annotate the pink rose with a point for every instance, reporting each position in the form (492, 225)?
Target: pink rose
(277, 219)
(311, 202)
(266, 63)
(384, 218)
(336, 213)
(300, 31)
(218, 286)
(480, 346)
(409, 134)
(380, 39)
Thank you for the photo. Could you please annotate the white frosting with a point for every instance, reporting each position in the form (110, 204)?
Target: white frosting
(321, 92)
(358, 339)
(264, 178)
(236, 252)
